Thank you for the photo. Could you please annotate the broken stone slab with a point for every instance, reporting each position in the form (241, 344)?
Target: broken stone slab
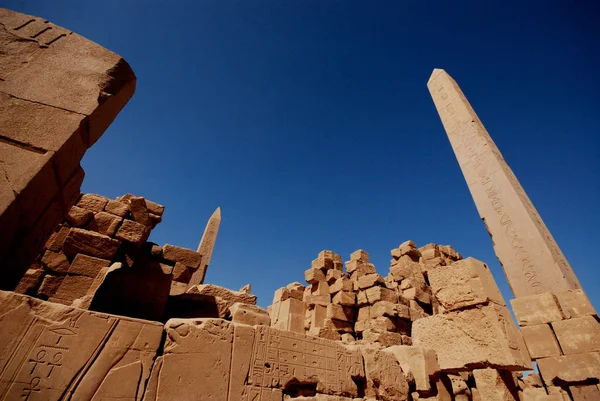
(55, 262)
(537, 309)
(577, 368)
(249, 314)
(541, 341)
(105, 223)
(578, 335)
(385, 379)
(58, 349)
(463, 284)
(182, 255)
(473, 338)
(421, 362)
(79, 217)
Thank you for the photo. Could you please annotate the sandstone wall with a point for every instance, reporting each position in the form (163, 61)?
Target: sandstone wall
(58, 94)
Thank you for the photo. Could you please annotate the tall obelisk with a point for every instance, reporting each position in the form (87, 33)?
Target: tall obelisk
(532, 261)
(206, 247)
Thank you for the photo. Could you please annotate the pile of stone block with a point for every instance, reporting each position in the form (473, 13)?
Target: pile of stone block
(562, 334)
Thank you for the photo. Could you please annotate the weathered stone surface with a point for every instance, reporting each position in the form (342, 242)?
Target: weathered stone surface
(540, 341)
(494, 385)
(89, 266)
(369, 280)
(339, 312)
(377, 294)
(105, 223)
(530, 257)
(221, 298)
(574, 303)
(570, 368)
(79, 217)
(578, 335)
(313, 276)
(182, 255)
(344, 298)
(289, 315)
(585, 392)
(90, 243)
(196, 348)
(384, 338)
(30, 282)
(538, 394)
(58, 350)
(92, 202)
(49, 285)
(420, 362)
(465, 283)
(55, 262)
(133, 232)
(537, 309)
(385, 379)
(139, 210)
(117, 208)
(249, 314)
(473, 338)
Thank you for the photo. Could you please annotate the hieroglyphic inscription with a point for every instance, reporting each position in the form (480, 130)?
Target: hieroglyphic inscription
(44, 32)
(500, 199)
(253, 393)
(279, 357)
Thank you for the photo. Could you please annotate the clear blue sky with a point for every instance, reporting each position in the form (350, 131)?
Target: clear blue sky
(310, 124)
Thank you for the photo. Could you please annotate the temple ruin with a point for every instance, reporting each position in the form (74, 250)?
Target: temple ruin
(91, 310)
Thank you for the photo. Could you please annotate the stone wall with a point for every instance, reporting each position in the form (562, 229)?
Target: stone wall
(58, 94)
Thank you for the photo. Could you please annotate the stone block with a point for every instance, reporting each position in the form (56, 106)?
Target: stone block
(249, 314)
(49, 285)
(55, 262)
(82, 353)
(574, 303)
(313, 276)
(79, 217)
(384, 338)
(92, 202)
(574, 368)
(403, 268)
(338, 325)
(333, 275)
(71, 288)
(463, 284)
(105, 223)
(320, 288)
(370, 280)
(224, 296)
(473, 338)
(30, 282)
(588, 392)
(196, 348)
(323, 263)
(538, 394)
(494, 385)
(420, 362)
(182, 255)
(537, 309)
(133, 232)
(181, 273)
(90, 243)
(117, 208)
(289, 315)
(88, 266)
(339, 312)
(385, 379)
(155, 208)
(139, 210)
(383, 308)
(341, 284)
(243, 341)
(362, 270)
(345, 298)
(318, 314)
(361, 255)
(540, 341)
(55, 242)
(578, 335)
(377, 294)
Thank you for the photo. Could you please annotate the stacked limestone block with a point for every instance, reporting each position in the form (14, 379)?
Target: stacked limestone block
(78, 255)
(562, 334)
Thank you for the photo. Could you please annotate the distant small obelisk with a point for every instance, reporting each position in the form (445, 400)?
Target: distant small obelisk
(206, 247)
(531, 259)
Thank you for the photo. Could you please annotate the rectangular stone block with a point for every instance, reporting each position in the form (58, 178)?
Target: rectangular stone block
(90, 243)
(57, 350)
(473, 338)
(341, 284)
(419, 361)
(574, 368)
(344, 298)
(537, 309)
(88, 266)
(339, 312)
(313, 276)
(282, 358)
(385, 379)
(318, 314)
(585, 392)
(578, 335)
(465, 283)
(574, 303)
(182, 255)
(196, 348)
(376, 294)
(541, 341)
(495, 385)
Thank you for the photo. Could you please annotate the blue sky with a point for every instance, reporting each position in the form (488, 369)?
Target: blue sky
(310, 124)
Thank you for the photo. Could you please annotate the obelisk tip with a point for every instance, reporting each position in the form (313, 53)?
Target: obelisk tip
(435, 72)
(217, 212)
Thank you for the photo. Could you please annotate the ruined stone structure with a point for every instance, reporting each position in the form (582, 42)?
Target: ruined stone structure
(97, 312)
(58, 94)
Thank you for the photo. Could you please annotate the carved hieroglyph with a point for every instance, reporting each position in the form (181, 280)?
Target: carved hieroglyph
(55, 352)
(532, 261)
(206, 246)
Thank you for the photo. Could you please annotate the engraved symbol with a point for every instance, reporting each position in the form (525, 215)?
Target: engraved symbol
(33, 387)
(55, 362)
(40, 360)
